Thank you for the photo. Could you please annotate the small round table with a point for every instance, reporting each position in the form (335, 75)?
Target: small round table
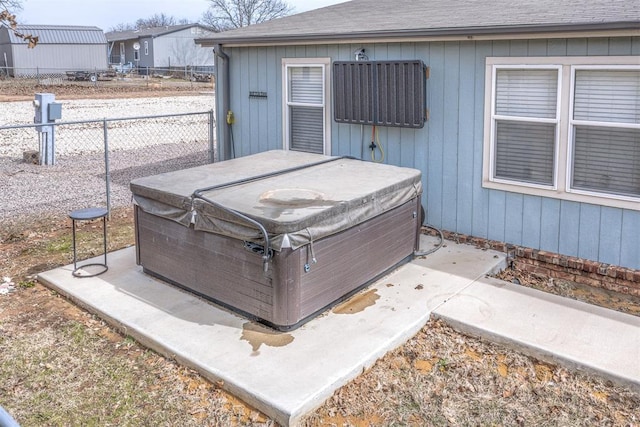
(88, 214)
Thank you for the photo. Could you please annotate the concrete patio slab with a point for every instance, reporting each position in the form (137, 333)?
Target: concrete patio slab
(551, 327)
(284, 375)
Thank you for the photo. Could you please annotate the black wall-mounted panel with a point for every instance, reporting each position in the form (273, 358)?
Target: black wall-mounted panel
(380, 93)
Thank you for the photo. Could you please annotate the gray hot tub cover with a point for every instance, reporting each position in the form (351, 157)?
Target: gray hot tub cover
(295, 208)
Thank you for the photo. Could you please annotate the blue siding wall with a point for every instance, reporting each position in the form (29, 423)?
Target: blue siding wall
(448, 149)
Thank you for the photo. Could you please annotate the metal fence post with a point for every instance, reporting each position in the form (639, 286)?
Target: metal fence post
(211, 141)
(107, 175)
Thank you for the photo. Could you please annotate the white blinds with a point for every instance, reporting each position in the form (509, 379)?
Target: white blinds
(607, 96)
(525, 151)
(526, 109)
(606, 159)
(306, 129)
(306, 113)
(306, 85)
(527, 93)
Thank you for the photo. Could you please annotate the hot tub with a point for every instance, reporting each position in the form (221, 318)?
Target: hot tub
(277, 236)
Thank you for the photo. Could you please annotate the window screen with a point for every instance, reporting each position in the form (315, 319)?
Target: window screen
(606, 149)
(305, 103)
(525, 151)
(525, 115)
(527, 93)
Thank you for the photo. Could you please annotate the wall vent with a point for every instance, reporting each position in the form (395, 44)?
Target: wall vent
(380, 93)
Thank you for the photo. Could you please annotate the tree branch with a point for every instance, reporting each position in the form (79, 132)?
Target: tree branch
(223, 15)
(9, 20)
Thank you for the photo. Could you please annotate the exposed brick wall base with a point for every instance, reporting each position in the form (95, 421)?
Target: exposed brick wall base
(549, 264)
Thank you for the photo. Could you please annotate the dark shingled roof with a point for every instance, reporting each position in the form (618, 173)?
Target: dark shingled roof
(378, 19)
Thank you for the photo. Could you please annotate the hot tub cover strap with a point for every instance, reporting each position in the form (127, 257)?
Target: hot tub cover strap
(352, 214)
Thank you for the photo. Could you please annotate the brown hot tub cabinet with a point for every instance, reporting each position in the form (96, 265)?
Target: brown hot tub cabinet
(333, 225)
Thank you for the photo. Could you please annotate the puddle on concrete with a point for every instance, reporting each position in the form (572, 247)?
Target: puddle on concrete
(357, 303)
(257, 335)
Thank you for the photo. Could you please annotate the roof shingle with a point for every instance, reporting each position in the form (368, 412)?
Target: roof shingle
(397, 18)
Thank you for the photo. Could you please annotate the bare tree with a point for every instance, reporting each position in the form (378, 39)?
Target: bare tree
(228, 14)
(8, 19)
(123, 27)
(157, 20)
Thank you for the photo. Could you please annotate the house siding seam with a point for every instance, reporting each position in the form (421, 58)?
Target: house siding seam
(448, 150)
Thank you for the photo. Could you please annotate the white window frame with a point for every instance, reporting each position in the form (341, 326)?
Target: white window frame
(573, 123)
(146, 47)
(325, 63)
(495, 117)
(561, 188)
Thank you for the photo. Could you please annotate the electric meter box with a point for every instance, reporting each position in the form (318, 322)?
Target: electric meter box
(55, 111)
(41, 105)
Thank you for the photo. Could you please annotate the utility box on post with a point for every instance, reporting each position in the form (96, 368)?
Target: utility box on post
(47, 111)
(55, 111)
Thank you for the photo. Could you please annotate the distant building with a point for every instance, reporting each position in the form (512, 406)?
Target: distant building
(161, 47)
(60, 48)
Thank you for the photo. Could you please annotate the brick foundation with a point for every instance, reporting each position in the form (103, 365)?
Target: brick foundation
(549, 264)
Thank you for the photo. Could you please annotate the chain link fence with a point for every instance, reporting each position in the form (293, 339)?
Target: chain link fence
(95, 160)
(116, 72)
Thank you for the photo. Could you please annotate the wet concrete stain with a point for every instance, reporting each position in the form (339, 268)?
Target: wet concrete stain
(258, 335)
(357, 303)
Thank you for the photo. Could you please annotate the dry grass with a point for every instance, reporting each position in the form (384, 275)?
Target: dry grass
(63, 366)
(441, 377)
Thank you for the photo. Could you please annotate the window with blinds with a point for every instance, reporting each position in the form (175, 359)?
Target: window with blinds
(306, 108)
(565, 127)
(605, 126)
(525, 124)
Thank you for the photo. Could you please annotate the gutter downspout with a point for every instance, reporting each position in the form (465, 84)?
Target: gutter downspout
(224, 147)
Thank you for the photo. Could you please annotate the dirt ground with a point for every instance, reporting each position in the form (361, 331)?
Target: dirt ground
(24, 90)
(60, 365)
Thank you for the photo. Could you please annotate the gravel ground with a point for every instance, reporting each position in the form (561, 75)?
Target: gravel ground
(137, 148)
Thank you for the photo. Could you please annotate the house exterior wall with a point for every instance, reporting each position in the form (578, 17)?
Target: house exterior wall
(145, 60)
(449, 149)
(6, 53)
(6, 59)
(178, 49)
(57, 58)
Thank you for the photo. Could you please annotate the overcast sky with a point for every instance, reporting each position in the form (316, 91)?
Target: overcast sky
(107, 13)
